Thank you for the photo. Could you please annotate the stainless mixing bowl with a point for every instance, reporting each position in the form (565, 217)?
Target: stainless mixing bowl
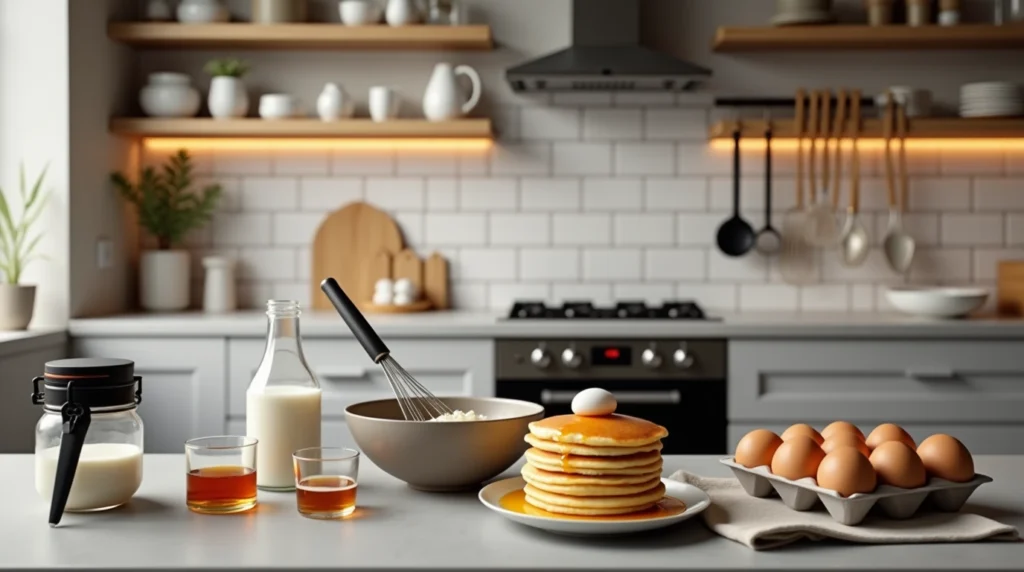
(443, 456)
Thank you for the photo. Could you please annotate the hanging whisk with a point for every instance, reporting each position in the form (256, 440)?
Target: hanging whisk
(415, 400)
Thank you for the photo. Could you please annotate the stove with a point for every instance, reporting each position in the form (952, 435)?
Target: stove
(675, 381)
(628, 310)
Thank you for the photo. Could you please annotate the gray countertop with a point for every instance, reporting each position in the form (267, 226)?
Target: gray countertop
(397, 528)
(464, 324)
(25, 341)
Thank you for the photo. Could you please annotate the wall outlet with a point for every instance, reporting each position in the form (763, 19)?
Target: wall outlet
(104, 252)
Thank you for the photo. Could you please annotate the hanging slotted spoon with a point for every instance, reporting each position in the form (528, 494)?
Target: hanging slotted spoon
(854, 243)
(796, 258)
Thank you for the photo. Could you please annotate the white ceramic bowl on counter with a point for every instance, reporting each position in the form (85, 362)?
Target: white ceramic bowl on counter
(936, 302)
(169, 94)
(359, 12)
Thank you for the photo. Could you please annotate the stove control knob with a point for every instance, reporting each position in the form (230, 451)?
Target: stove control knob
(571, 358)
(540, 358)
(682, 358)
(650, 358)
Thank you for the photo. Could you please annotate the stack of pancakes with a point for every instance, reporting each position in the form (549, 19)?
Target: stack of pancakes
(594, 466)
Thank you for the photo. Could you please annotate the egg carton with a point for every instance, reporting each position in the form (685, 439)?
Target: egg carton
(804, 494)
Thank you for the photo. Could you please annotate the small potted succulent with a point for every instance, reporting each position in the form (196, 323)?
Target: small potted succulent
(17, 249)
(167, 208)
(228, 97)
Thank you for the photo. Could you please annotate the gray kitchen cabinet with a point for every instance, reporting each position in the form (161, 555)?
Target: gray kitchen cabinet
(980, 439)
(183, 389)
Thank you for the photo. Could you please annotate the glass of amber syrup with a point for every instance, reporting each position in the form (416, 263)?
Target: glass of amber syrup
(221, 474)
(326, 479)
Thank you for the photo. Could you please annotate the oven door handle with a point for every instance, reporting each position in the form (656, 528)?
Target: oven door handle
(671, 397)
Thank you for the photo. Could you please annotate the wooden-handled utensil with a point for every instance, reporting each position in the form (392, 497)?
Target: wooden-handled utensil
(838, 129)
(822, 230)
(898, 245)
(796, 258)
(854, 243)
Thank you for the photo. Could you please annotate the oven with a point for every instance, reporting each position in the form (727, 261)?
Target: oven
(679, 384)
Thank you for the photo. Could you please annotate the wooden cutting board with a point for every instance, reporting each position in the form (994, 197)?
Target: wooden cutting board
(407, 264)
(345, 246)
(435, 281)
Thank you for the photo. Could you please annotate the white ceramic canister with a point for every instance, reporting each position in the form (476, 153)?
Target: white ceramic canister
(202, 12)
(334, 103)
(444, 99)
(164, 280)
(401, 13)
(219, 284)
(169, 94)
(228, 97)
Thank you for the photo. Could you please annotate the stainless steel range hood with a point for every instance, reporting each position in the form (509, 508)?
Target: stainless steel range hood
(605, 55)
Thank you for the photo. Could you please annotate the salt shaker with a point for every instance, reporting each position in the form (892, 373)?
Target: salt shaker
(949, 12)
(219, 285)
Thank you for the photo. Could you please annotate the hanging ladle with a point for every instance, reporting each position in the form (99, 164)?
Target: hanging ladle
(768, 239)
(735, 236)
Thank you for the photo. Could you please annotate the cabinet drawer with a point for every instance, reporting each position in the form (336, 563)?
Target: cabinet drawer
(347, 376)
(980, 439)
(913, 381)
(333, 433)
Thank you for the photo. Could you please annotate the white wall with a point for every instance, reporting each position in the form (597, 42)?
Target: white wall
(34, 94)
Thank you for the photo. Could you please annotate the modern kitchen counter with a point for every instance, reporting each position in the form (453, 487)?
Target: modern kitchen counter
(397, 528)
(466, 324)
(20, 342)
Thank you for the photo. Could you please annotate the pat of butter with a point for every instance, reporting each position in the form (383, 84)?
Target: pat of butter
(594, 402)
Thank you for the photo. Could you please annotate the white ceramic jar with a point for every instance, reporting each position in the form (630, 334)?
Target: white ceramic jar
(359, 12)
(169, 94)
(202, 12)
(334, 103)
(164, 280)
(401, 13)
(219, 284)
(228, 97)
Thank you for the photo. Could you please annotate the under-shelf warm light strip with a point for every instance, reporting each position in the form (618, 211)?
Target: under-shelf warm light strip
(474, 144)
(877, 144)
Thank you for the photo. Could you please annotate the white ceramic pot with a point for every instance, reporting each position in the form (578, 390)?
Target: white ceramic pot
(202, 12)
(227, 98)
(219, 284)
(278, 11)
(334, 103)
(444, 99)
(359, 12)
(164, 280)
(169, 95)
(278, 106)
(384, 103)
(17, 303)
(158, 10)
(401, 13)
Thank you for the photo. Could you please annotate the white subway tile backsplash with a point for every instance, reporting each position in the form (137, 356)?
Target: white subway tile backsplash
(422, 163)
(986, 261)
(749, 268)
(480, 194)
(270, 194)
(303, 263)
(231, 191)
(698, 229)
(396, 193)
(768, 297)
(247, 163)
(825, 298)
(519, 229)
(582, 158)
(470, 296)
(411, 225)
(651, 293)
(505, 119)
(559, 123)
(612, 194)
(533, 158)
(254, 294)
(998, 194)
(939, 194)
(1015, 229)
(350, 162)
(442, 194)
(714, 298)
(503, 294)
(698, 158)
(933, 265)
(611, 124)
(474, 163)
(676, 194)
(645, 158)
(598, 293)
(266, 263)
(549, 264)
(581, 229)
(969, 162)
(301, 163)
(328, 193)
(487, 263)
(296, 229)
(646, 229)
(582, 99)
(670, 124)
(612, 264)
(241, 229)
(874, 269)
(561, 194)
(643, 98)
(455, 229)
(298, 291)
(675, 264)
(972, 229)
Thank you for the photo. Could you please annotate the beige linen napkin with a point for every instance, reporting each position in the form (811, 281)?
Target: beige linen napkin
(766, 523)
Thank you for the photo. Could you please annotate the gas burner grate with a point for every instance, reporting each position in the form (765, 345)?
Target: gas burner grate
(625, 310)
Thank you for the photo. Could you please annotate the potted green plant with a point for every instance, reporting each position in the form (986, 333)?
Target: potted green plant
(168, 209)
(228, 97)
(17, 249)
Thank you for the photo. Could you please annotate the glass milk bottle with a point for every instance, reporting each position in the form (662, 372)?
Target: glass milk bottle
(282, 404)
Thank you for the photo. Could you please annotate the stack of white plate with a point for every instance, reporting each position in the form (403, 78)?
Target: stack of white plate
(991, 99)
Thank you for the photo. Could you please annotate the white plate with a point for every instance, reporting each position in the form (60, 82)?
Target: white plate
(696, 501)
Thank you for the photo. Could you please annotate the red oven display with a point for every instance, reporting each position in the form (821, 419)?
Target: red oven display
(611, 355)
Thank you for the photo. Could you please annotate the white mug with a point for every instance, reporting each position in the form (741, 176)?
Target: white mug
(383, 103)
(278, 106)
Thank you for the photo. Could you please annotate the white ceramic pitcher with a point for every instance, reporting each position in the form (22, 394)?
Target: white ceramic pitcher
(443, 98)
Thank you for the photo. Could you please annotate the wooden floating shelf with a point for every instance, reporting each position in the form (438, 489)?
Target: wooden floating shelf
(924, 128)
(300, 36)
(862, 37)
(300, 128)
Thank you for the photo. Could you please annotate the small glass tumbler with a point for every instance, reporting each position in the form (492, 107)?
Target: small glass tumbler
(221, 474)
(326, 479)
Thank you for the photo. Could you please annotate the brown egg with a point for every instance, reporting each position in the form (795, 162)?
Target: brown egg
(889, 432)
(757, 448)
(797, 458)
(841, 427)
(847, 472)
(801, 429)
(946, 457)
(898, 465)
(841, 439)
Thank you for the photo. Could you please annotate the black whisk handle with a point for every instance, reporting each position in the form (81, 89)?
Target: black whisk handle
(369, 339)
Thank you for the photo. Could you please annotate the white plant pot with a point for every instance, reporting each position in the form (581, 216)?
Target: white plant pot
(228, 98)
(17, 302)
(164, 280)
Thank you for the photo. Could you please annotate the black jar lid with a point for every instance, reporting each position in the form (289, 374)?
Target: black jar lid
(94, 382)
